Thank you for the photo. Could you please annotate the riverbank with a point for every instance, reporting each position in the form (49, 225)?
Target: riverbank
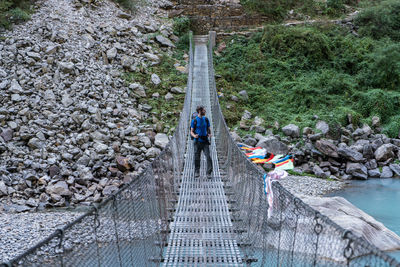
(310, 186)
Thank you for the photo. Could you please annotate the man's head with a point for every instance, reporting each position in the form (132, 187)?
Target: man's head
(201, 110)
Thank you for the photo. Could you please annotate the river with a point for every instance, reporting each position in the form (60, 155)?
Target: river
(380, 198)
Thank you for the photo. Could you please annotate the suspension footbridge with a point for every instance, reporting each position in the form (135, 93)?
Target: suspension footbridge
(167, 217)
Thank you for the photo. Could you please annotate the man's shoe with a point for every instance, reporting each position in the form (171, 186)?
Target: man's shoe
(209, 175)
(196, 175)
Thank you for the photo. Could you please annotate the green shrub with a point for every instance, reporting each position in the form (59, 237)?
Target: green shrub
(380, 21)
(181, 25)
(392, 129)
(305, 44)
(378, 102)
(13, 11)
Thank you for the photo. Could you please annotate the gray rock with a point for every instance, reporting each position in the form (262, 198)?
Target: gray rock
(84, 160)
(161, 140)
(145, 140)
(66, 100)
(60, 188)
(153, 152)
(16, 98)
(376, 121)
(375, 173)
(177, 90)
(236, 137)
(315, 137)
(155, 79)
(15, 87)
(246, 115)
(35, 143)
(273, 145)
(109, 190)
(319, 172)
(66, 67)
(371, 164)
(386, 172)
(350, 154)
(164, 41)
(49, 95)
(376, 143)
(384, 152)
(127, 61)
(3, 189)
(396, 169)
(4, 84)
(111, 53)
(396, 142)
(322, 126)
(169, 97)
(368, 151)
(307, 130)
(7, 134)
(244, 95)
(351, 218)
(357, 170)
(138, 89)
(250, 141)
(327, 148)
(291, 130)
(100, 148)
(34, 55)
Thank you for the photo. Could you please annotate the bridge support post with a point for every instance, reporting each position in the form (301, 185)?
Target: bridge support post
(212, 36)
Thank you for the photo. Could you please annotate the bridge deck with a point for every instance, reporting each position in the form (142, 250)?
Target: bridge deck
(202, 231)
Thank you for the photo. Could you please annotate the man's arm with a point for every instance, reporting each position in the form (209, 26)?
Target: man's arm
(193, 134)
(209, 131)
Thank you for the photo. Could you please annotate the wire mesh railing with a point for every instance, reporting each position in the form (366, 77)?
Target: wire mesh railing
(131, 227)
(294, 234)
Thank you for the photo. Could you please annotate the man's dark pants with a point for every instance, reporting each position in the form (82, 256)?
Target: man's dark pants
(205, 147)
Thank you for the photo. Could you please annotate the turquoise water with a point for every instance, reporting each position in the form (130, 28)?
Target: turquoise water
(380, 198)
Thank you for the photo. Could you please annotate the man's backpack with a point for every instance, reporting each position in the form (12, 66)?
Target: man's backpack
(194, 115)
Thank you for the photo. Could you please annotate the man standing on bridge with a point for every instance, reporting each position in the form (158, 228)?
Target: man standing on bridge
(200, 131)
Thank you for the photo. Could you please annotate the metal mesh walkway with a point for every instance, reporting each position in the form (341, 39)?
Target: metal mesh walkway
(201, 231)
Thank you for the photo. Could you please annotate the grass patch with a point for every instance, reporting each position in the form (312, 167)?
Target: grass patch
(292, 74)
(131, 5)
(15, 11)
(166, 112)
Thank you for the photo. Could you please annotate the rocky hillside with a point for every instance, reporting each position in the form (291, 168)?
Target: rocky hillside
(72, 130)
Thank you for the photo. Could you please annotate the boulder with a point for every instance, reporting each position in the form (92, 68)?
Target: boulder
(66, 67)
(123, 164)
(153, 152)
(250, 141)
(357, 170)
(244, 95)
(164, 41)
(161, 140)
(7, 134)
(60, 188)
(396, 169)
(3, 189)
(291, 130)
(368, 151)
(15, 87)
(273, 145)
(258, 121)
(307, 131)
(110, 189)
(384, 152)
(350, 154)
(155, 79)
(322, 126)
(100, 148)
(327, 148)
(375, 173)
(35, 143)
(386, 172)
(319, 172)
(236, 137)
(376, 121)
(169, 97)
(127, 61)
(246, 115)
(177, 90)
(111, 53)
(351, 218)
